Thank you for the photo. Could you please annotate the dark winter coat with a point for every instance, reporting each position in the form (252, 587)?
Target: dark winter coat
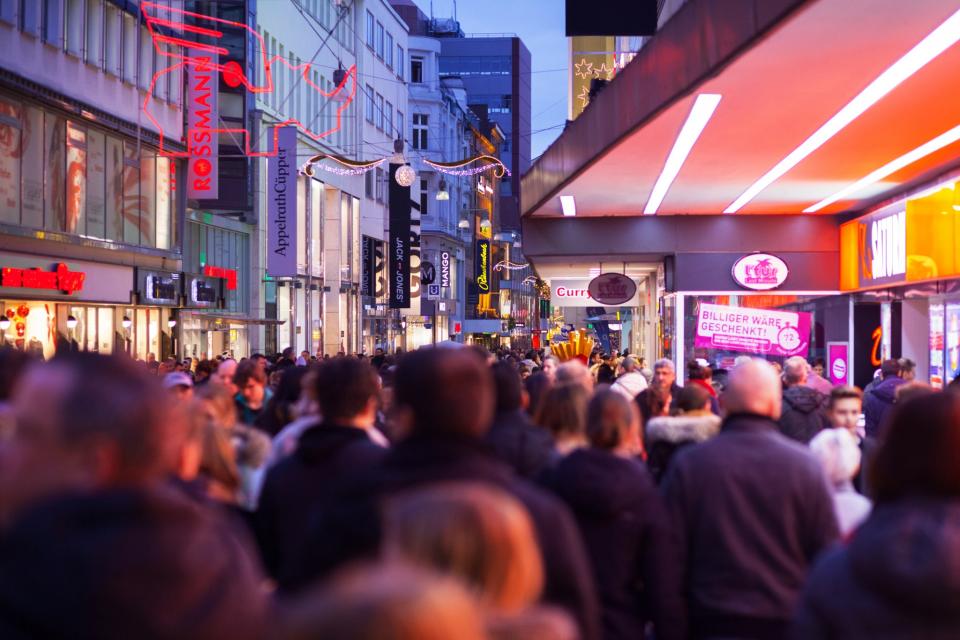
(641, 400)
(878, 402)
(627, 533)
(127, 564)
(803, 414)
(521, 443)
(752, 509)
(351, 532)
(898, 578)
(665, 435)
(327, 457)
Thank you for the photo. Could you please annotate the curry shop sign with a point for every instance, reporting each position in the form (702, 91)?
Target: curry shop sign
(575, 293)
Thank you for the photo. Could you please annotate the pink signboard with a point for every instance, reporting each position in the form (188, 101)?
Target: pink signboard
(838, 363)
(763, 331)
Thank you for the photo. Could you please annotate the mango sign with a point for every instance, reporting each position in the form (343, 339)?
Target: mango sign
(761, 331)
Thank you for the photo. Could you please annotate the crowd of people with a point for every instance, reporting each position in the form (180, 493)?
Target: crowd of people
(451, 492)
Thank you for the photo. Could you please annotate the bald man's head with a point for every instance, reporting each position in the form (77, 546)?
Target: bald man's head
(753, 387)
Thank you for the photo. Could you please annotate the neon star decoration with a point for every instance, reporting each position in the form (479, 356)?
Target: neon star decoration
(169, 29)
(584, 69)
(584, 97)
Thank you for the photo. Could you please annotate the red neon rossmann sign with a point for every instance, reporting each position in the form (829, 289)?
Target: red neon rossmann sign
(60, 279)
(164, 23)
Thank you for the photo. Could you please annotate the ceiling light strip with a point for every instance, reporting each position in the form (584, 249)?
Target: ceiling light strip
(890, 168)
(700, 114)
(935, 43)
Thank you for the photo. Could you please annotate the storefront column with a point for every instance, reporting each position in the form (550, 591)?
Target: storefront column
(678, 337)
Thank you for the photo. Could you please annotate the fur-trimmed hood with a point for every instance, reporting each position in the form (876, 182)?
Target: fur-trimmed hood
(686, 428)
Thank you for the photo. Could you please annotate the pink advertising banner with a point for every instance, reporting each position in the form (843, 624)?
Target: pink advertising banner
(838, 362)
(762, 331)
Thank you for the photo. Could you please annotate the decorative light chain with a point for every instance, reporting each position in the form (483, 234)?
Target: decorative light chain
(510, 266)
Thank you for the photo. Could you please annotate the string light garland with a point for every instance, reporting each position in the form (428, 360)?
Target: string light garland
(458, 168)
(342, 166)
(510, 266)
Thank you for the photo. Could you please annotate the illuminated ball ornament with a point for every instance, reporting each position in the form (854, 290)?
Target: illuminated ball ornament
(405, 176)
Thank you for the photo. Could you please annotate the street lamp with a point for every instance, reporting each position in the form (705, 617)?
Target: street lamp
(442, 193)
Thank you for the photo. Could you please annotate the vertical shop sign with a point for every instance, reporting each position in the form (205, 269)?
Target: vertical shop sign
(444, 269)
(399, 249)
(203, 116)
(481, 265)
(368, 266)
(953, 341)
(936, 346)
(282, 206)
(838, 361)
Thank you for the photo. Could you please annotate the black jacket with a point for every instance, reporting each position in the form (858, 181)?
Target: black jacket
(351, 531)
(327, 457)
(519, 442)
(803, 414)
(753, 510)
(877, 403)
(627, 533)
(897, 579)
(641, 401)
(127, 564)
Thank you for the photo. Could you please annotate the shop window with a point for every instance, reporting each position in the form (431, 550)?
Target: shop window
(32, 327)
(10, 153)
(76, 204)
(148, 198)
(54, 178)
(114, 190)
(131, 194)
(96, 181)
(31, 173)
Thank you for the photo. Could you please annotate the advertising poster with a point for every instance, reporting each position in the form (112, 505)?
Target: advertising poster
(838, 362)
(953, 341)
(761, 331)
(936, 346)
(282, 206)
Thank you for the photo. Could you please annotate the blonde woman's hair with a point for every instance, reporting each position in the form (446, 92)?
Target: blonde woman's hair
(474, 532)
(385, 602)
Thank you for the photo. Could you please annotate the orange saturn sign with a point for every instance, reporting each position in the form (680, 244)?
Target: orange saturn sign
(914, 240)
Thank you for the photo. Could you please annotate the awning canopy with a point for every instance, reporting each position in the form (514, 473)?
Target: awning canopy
(813, 97)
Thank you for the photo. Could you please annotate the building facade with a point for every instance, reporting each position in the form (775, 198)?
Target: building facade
(91, 216)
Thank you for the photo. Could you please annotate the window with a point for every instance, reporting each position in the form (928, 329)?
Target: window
(129, 48)
(416, 69)
(75, 16)
(146, 59)
(368, 184)
(400, 61)
(370, 37)
(401, 132)
(94, 51)
(11, 125)
(379, 111)
(388, 119)
(54, 177)
(420, 131)
(379, 187)
(53, 22)
(388, 50)
(8, 11)
(380, 41)
(30, 17)
(370, 105)
(424, 196)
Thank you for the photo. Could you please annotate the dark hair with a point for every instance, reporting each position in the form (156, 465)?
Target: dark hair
(205, 367)
(447, 390)
(695, 371)
(508, 386)
(692, 397)
(343, 387)
(113, 398)
(890, 368)
(918, 450)
(247, 369)
(907, 365)
(536, 386)
(844, 393)
(563, 410)
(654, 401)
(609, 418)
(277, 413)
